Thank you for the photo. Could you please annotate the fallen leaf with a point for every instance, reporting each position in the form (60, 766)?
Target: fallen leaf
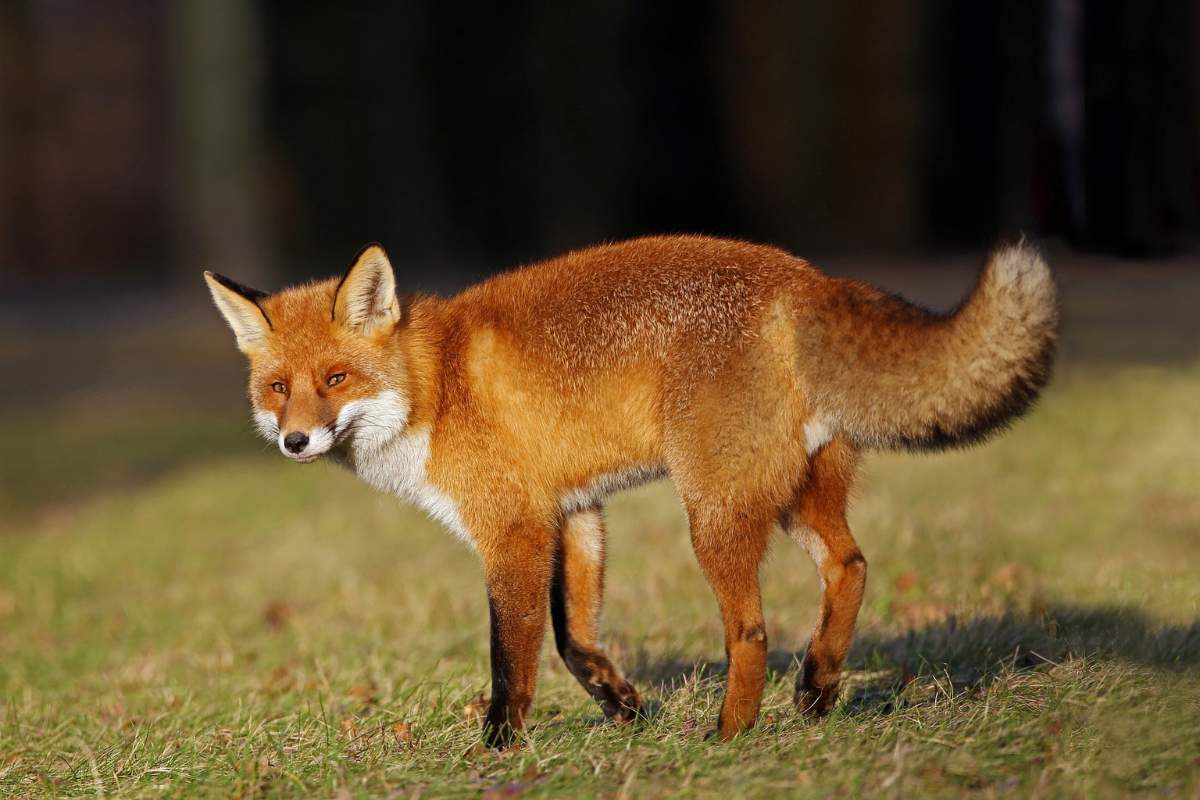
(279, 681)
(113, 711)
(277, 614)
(349, 728)
(905, 582)
(1008, 576)
(403, 733)
(476, 708)
(921, 612)
(364, 693)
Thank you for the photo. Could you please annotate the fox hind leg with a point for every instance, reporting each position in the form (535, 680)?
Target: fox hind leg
(729, 548)
(817, 520)
(576, 596)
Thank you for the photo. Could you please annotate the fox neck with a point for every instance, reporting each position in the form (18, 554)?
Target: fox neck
(421, 345)
(409, 400)
(393, 458)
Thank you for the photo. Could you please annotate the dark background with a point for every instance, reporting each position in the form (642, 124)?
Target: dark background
(141, 142)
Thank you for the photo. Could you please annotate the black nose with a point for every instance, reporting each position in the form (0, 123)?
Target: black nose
(295, 441)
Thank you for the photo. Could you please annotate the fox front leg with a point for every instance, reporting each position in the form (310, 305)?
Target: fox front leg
(518, 573)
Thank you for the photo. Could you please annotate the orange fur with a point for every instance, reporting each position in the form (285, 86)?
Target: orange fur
(512, 409)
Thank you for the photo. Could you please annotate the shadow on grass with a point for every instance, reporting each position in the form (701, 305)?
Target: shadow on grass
(975, 652)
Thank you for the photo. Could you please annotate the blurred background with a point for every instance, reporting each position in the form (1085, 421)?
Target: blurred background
(143, 142)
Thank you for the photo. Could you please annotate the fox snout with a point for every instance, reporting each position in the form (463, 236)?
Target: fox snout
(297, 441)
(305, 445)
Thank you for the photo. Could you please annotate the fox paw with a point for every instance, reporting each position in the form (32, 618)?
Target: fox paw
(815, 701)
(622, 705)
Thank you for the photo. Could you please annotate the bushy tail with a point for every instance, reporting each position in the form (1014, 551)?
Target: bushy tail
(896, 376)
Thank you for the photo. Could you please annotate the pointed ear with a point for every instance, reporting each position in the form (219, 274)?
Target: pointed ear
(365, 300)
(239, 305)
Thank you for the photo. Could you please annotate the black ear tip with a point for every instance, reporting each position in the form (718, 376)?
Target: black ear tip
(234, 286)
(365, 249)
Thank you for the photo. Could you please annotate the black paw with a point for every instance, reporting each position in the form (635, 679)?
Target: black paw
(814, 701)
(622, 705)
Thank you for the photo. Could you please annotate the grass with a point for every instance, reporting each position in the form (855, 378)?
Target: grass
(238, 626)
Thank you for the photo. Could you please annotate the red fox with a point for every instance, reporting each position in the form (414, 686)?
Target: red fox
(512, 410)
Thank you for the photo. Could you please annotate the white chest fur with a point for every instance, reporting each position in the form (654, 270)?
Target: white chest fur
(392, 457)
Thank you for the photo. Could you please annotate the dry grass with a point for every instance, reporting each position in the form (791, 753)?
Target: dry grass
(244, 626)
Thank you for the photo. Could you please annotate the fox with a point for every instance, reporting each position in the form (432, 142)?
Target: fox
(511, 411)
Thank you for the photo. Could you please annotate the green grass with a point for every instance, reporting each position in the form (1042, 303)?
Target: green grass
(244, 626)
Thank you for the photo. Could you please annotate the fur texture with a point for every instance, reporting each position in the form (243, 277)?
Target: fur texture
(897, 376)
(510, 411)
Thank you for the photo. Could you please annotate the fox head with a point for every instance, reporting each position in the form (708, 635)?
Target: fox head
(325, 361)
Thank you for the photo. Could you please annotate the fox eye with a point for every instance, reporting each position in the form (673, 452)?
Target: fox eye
(334, 380)
(280, 387)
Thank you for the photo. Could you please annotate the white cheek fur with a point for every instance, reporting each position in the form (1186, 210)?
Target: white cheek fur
(374, 420)
(319, 440)
(267, 425)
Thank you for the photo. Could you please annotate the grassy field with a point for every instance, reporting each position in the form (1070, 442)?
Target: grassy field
(233, 625)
